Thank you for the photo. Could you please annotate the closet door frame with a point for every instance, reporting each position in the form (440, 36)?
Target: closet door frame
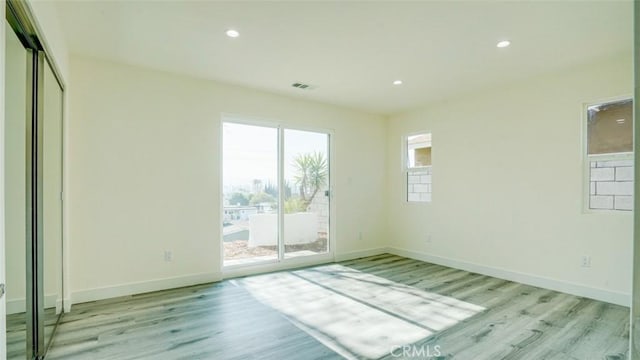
(35, 243)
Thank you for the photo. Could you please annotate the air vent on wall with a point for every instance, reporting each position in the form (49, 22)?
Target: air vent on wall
(303, 86)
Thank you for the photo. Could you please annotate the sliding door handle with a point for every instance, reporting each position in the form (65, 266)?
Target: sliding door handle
(1, 290)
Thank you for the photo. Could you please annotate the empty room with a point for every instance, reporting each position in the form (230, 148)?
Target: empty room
(319, 180)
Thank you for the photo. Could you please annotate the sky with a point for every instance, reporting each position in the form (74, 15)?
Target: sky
(251, 152)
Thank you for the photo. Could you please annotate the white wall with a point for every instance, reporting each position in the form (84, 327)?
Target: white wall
(145, 169)
(507, 185)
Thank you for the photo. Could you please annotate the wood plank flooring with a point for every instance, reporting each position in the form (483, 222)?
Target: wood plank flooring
(385, 307)
(16, 336)
(17, 333)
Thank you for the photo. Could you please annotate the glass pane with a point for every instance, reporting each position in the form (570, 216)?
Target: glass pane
(419, 184)
(15, 194)
(306, 193)
(250, 191)
(610, 128)
(611, 184)
(52, 204)
(419, 168)
(418, 150)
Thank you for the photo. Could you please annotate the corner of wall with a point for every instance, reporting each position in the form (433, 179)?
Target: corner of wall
(609, 296)
(360, 254)
(386, 198)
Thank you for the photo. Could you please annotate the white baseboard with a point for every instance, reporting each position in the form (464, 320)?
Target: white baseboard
(67, 305)
(529, 279)
(51, 301)
(169, 283)
(58, 306)
(16, 306)
(108, 292)
(360, 254)
(195, 279)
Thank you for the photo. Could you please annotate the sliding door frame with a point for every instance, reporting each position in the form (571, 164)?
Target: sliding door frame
(35, 216)
(281, 262)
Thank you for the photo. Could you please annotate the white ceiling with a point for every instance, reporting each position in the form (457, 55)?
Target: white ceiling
(352, 51)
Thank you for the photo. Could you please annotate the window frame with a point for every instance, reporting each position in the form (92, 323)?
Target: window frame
(281, 263)
(587, 159)
(406, 170)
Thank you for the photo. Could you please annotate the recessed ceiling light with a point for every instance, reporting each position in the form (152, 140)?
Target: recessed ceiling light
(232, 33)
(397, 82)
(503, 43)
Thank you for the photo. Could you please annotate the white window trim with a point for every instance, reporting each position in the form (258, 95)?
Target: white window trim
(586, 162)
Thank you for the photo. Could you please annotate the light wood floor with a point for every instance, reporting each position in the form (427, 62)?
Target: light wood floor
(16, 336)
(365, 308)
(17, 333)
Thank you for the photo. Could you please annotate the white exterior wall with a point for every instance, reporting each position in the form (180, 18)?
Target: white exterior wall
(611, 185)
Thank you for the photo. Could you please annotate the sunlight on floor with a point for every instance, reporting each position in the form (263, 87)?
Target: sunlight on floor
(354, 313)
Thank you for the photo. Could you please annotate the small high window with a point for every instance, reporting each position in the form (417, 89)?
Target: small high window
(418, 167)
(610, 155)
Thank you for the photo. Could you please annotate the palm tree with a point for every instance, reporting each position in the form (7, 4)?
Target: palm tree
(311, 176)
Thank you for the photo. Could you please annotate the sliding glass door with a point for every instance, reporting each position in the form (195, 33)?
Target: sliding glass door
(306, 172)
(250, 191)
(276, 193)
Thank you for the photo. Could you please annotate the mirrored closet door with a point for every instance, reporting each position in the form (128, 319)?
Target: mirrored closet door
(33, 188)
(52, 201)
(15, 153)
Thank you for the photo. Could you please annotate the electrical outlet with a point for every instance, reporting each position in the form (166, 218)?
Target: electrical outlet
(585, 261)
(168, 256)
(360, 235)
(429, 239)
